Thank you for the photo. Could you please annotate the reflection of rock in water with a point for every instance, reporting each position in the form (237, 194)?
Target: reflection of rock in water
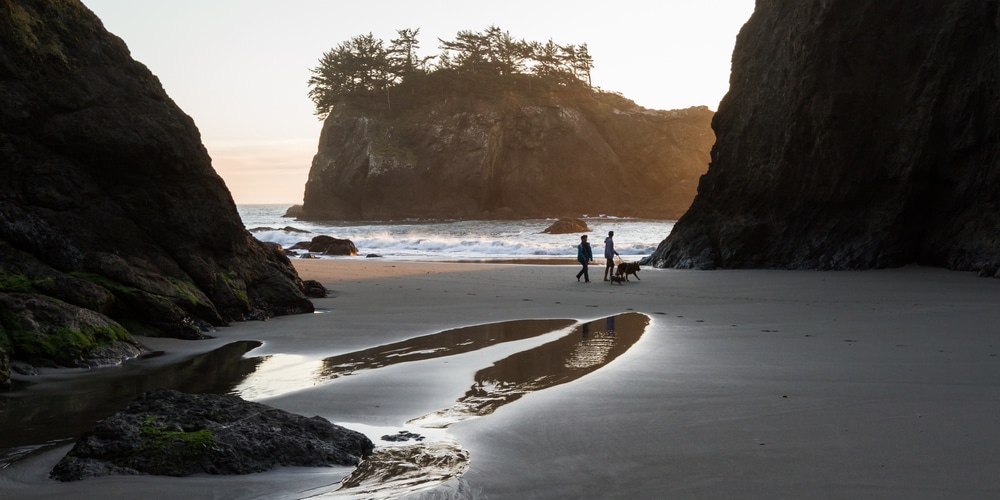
(589, 347)
(65, 410)
(397, 470)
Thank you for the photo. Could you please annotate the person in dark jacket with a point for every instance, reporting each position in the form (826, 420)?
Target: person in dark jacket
(585, 256)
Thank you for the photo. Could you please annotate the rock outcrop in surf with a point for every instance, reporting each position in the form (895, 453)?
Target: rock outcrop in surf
(508, 154)
(854, 135)
(110, 208)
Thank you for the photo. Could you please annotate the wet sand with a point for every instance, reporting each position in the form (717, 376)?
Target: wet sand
(746, 384)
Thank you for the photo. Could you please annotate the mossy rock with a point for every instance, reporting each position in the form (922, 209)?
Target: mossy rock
(4, 363)
(170, 433)
(47, 332)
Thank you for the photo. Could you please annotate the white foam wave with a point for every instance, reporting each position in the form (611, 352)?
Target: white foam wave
(464, 239)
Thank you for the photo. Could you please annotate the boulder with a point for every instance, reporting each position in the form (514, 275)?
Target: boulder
(170, 433)
(567, 226)
(855, 135)
(36, 326)
(315, 289)
(328, 245)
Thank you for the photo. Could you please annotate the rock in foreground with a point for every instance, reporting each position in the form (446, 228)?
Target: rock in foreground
(169, 433)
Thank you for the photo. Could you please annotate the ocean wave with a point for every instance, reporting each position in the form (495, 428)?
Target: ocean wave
(462, 239)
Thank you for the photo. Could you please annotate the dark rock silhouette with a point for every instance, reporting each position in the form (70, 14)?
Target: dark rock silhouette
(328, 245)
(855, 135)
(110, 203)
(293, 211)
(509, 156)
(315, 289)
(170, 433)
(567, 226)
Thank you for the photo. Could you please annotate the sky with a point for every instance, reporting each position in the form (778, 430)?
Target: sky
(240, 68)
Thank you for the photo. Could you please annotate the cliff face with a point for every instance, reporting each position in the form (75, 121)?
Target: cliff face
(569, 153)
(856, 134)
(110, 203)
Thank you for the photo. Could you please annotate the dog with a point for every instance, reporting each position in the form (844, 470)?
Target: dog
(617, 279)
(627, 268)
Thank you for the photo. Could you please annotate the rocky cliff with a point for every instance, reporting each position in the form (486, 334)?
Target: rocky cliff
(856, 134)
(509, 155)
(112, 219)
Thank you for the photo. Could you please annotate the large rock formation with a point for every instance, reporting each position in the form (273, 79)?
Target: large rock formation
(110, 203)
(856, 134)
(170, 433)
(510, 155)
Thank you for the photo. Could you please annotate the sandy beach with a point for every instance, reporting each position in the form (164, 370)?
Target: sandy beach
(744, 384)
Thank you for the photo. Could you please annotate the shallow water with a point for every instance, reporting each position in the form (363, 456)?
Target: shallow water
(39, 418)
(396, 468)
(63, 409)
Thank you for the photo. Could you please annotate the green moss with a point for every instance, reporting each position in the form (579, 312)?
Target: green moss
(32, 34)
(138, 310)
(184, 290)
(62, 345)
(231, 279)
(102, 281)
(173, 445)
(21, 283)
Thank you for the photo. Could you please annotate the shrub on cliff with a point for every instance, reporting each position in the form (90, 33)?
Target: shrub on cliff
(363, 71)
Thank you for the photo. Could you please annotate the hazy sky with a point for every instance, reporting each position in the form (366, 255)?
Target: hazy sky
(239, 67)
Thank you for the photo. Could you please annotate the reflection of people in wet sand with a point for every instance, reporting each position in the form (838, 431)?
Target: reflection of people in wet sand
(584, 255)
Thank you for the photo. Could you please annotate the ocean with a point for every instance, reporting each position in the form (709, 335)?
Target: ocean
(466, 240)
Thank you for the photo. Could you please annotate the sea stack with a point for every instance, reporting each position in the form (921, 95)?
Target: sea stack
(509, 155)
(855, 135)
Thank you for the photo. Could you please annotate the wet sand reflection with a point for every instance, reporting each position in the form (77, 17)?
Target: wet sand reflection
(590, 346)
(65, 409)
(395, 470)
(446, 343)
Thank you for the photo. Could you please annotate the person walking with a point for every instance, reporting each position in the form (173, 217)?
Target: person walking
(584, 255)
(609, 253)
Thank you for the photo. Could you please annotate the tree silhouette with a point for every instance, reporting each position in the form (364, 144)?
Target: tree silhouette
(362, 68)
(357, 67)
